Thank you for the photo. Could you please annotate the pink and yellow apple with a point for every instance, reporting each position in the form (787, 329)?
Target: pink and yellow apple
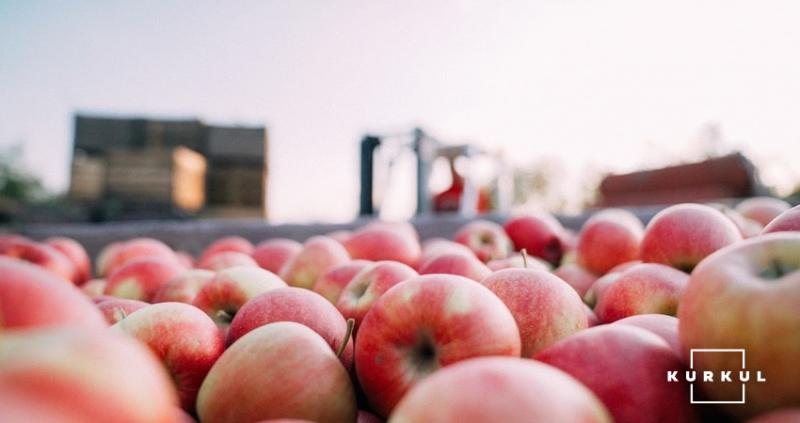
(142, 278)
(642, 289)
(486, 239)
(332, 282)
(273, 254)
(319, 254)
(368, 285)
(541, 235)
(184, 287)
(609, 238)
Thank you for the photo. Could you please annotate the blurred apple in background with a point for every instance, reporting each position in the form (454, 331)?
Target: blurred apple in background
(319, 254)
(662, 325)
(116, 309)
(642, 289)
(141, 278)
(332, 282)
(118, 254)
(368, 285)
(76, 254)
(225, 259)
(788, 221)
(461, 264)
(385, 241)
(762, 209)
(229, 243)
(184, 287)
(42, 255)
(541, 235)
(486, 239)
(609, 238)
(576, 276)
(94, 287)
(273, 254)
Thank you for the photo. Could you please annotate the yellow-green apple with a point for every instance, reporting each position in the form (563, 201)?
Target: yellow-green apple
(486, 239)
(94, 288)
(295, 305)
(332, 282)
(384, 242)
(77, 375)
(545, 307)
(425, 323)
(225, 259)
(788, 221)
(576, 276)
(662, 325)
(116, 309)
(118, 254)
(183, 338)
(228, 243)
(682, 235)
(140, 279)
(76, 254)
(460, 264)
(272, 254)
(319, 254)
(223, 296)
(541, 235)
(42, 255)
(368, 285)
(627, 368)
(783, 415)
(518, 262)
(279, 370)
(642, 289)
(184, 287)
(609, 238)
(746, 296)
(762, 209)
(31, 297)
(500, 389)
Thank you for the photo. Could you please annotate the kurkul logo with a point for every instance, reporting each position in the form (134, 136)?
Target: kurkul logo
(693, 375)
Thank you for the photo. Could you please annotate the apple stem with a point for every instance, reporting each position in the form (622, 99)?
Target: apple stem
(224, 315)
(119, 313)
(351, 323)
(524, 253)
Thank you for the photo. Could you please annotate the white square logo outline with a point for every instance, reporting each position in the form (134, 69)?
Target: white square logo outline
(691, 366)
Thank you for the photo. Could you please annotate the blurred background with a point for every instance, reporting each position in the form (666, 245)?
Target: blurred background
(321, 111)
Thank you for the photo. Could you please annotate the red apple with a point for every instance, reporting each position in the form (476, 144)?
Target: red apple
(746, 296)
(294, 305)
(184, 287)
(77, 375)
(273, 254)
(116, 309)
(332, 282)
(118, 254)
(626, 367)
(425, 323)
(225, 259)
(319, 254)
(682, 235)
(788, 221)
(368, 285)
(500, 389)
(223, 296)
(142, 278)
(42, 255)
(762, 209)
(576, 276)
(280, 370)
(599, 287)
(541, 235)
(31, 297)
(466, 265)
(486, 239)
(660, 324)
(383, 242)
(609, 238)
(229, 243)
(367, 417)
(76, 254)
(94, 288)
(545, 307)
(642, 289)
(184, 339)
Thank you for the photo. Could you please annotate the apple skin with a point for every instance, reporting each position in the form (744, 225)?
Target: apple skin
(541, 235)
(500, 389)
(368, 285)
(81, 375)
(94, 288)
(319, 254)
(642, 289)
(76, 254)
(682, 235)
(425, 323)
(516, 261)
(184, 287)
(33, 297)
(225, 259)
(610, 237)
(332, 282)
(294, 305)
(229, 243)
(280, 370)
(142, 278)
(273, 254)
(746, 296)
(762, 209)
(118, 254)
(545, 307)
(784, 415)
(116, 309)
(223, 296)
(486, 239)
(384, 241)
(433, 247)
(626, 368)
(184, 339)
(42, 255)
(591, 318)
(788, 221)
(599, 287)
(185, 259)
(576, 276)
(460, 264)
(660, 324)
(367, 417)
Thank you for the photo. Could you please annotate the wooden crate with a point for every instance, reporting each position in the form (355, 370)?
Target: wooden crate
(87, 178)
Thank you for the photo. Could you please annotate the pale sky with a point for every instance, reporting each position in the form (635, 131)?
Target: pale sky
(601, 85)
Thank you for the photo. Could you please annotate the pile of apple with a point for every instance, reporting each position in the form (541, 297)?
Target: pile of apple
(525, 322)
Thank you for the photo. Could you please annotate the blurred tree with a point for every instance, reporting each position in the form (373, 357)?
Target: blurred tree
(17, 184)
